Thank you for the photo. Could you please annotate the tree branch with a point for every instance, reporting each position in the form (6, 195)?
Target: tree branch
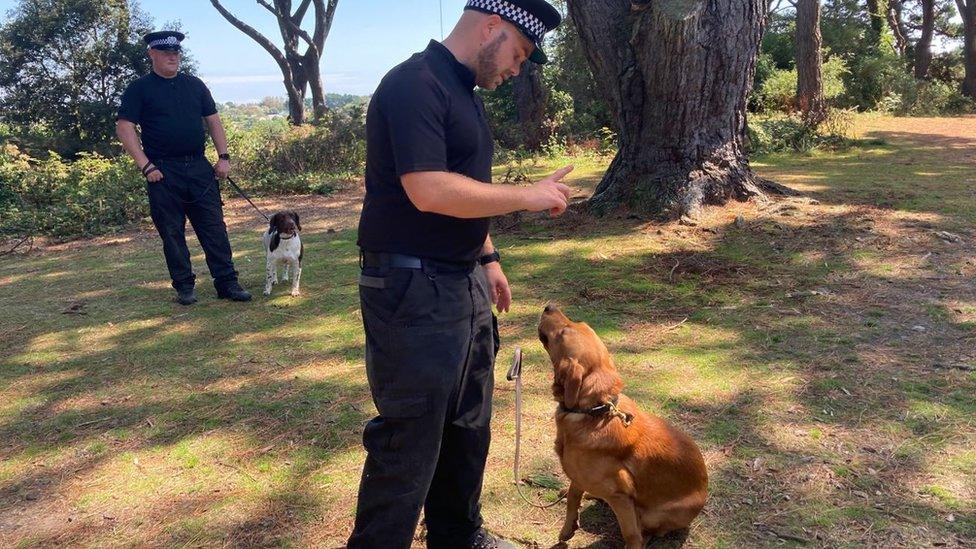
(323, 21)
(300, 12)
(291, 24)
(963, 12)
(268, 7)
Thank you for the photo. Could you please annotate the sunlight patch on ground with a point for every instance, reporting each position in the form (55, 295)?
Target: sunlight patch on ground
(12, 279)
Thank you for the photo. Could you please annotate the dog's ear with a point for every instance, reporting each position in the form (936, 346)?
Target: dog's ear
(571, 374)
(298, 224)
(275, 240)
(273, 223)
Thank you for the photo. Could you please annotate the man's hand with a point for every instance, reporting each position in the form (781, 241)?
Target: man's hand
(222, 169)
(498, 290)
(550, 194)
(154, 176)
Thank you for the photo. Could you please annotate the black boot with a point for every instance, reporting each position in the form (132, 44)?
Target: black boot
(186, 296)
(483, 540)
(233, 292)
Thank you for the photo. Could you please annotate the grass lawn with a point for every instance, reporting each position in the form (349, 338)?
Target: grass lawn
(820, 349)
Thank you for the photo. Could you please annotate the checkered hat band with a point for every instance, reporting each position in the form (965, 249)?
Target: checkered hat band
(531, 24)
(168, 41)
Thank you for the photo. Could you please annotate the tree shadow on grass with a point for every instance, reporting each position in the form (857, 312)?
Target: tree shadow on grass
(270, 383)
(851, 408)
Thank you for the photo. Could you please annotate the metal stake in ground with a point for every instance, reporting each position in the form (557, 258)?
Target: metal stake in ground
(515, 374)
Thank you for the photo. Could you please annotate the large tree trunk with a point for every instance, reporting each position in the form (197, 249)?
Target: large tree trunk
(967, 10)
(809, 62)
(531, 98)
(676, 74)
(315, 85)
(876, 15)
(923, 48)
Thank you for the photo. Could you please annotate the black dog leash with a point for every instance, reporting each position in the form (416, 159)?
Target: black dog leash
(245, 197)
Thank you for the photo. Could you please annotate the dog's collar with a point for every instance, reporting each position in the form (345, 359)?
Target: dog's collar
(279, 235)
(607, 408)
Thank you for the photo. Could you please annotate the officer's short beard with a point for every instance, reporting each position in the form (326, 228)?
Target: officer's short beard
(487, 67)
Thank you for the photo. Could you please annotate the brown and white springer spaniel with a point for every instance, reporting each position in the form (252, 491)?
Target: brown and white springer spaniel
(284, 247)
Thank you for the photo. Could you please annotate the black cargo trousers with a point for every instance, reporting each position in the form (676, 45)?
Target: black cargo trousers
(431, 341)
(189, 189)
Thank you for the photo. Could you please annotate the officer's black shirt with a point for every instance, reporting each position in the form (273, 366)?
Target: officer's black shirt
(424, 116)
(168, 112)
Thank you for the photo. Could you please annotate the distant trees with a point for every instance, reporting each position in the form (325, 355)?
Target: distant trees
(63, 67)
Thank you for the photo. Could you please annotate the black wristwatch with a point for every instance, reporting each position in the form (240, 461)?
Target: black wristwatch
(490, 258)
(224, 156)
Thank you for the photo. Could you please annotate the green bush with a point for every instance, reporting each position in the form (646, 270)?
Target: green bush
(778, 90)
(789, 133)
(927, 98)
(871, 79)
(46, 194)
(275, 158)
(779, 133)
(91, 195)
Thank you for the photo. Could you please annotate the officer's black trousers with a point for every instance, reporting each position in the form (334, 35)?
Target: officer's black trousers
(189, 190)
(431, 341)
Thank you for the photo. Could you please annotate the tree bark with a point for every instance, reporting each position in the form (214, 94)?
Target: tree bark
(877, 19)
(809, 63)
(300, 71)
(967, 10)
(898, 27)
(531, 98)
(676, 74)
(923, 48)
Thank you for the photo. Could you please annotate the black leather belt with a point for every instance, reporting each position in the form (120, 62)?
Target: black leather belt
(380, 260)
(181, 158)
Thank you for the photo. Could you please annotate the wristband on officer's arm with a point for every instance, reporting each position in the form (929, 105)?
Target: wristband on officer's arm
(148, 169)
(490, 258)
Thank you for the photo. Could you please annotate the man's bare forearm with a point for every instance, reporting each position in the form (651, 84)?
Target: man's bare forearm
(457, 195)
(217, 133)
(126, 131)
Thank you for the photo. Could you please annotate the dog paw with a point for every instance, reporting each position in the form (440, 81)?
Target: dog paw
(267, 292)
(295, 293)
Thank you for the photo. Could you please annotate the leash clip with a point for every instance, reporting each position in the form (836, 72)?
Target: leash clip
(626, 418)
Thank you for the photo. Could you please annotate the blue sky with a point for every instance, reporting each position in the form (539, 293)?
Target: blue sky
(368, 38)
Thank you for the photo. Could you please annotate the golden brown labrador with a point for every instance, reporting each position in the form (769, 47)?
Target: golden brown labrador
(652, 475)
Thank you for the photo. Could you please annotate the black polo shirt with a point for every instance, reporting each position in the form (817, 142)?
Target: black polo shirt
(169, 113)
(424, 116)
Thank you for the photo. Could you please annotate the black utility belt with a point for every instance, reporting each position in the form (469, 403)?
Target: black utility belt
(383, 261)
(182, 158)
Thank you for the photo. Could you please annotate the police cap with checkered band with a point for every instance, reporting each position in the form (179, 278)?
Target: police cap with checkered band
(164, 40)
(533, 17)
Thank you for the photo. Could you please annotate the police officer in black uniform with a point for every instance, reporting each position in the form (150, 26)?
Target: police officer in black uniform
(430, 275)
(170, 109)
